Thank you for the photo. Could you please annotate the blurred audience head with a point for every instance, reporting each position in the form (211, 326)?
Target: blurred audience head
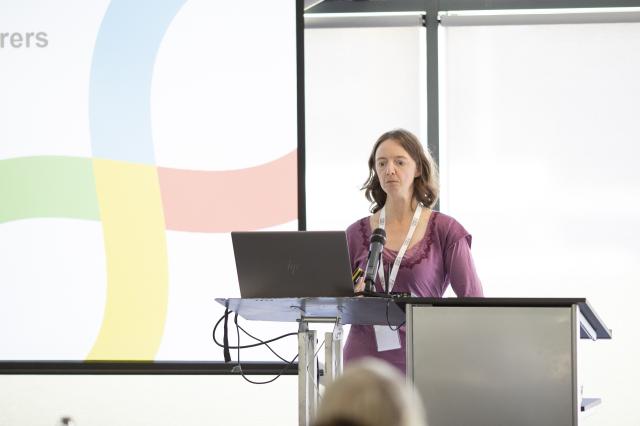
(370, 393)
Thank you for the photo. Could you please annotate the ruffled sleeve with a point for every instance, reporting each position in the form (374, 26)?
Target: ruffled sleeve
(357, 242)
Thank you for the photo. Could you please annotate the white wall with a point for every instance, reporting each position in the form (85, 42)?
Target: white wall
(540, 164)
(360, 82)
(146, 400)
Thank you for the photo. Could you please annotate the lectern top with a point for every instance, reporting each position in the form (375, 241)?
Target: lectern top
(380, 310)
(586, 310)
(350, 310)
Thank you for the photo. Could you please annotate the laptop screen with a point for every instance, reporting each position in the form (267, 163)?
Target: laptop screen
(292, 264)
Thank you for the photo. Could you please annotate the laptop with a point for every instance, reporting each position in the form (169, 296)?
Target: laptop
(292, 264)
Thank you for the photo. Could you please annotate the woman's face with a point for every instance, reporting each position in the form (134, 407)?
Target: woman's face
(396, 169)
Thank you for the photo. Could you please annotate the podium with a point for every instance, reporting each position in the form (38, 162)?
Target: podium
(500, 361)
(481, 361)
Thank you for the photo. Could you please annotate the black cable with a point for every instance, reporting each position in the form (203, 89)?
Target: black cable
(389, 322)
(247, 346)
(226, 343)
(225, 338)
(235, 320)
(266, 344)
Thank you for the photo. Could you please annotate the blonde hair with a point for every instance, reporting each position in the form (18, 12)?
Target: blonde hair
(370, 393)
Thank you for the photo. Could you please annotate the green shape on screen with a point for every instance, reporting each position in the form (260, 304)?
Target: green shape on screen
(46, 187)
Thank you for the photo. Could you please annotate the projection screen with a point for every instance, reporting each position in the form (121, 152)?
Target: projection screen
(134, 137)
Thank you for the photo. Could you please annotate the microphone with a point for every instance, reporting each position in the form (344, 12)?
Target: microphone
(378, 238)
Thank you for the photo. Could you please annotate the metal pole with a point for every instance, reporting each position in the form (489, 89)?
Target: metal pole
(307, 374)
(332, 354)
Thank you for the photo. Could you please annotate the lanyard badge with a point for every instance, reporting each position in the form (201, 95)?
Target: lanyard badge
(405, 245)
(387, 338)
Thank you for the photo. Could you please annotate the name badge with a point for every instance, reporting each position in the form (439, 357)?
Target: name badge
(386, 338)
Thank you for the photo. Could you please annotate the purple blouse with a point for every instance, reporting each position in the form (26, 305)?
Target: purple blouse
(443, 256)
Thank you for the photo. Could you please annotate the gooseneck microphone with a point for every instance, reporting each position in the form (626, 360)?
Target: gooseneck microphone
(376, 244)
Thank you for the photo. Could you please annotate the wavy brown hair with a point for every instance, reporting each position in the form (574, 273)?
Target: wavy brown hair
(425, 186)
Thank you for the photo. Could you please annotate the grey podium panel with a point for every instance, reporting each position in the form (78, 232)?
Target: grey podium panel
(493, 366)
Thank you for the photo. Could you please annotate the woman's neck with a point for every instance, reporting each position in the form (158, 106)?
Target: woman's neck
(399, 210)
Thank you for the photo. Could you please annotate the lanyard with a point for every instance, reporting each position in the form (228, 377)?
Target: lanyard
(396, 265)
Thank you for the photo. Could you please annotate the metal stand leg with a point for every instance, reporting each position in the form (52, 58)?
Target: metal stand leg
(307, 374)
(333, 354)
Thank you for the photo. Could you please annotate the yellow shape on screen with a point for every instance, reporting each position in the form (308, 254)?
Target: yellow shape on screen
(136, 258)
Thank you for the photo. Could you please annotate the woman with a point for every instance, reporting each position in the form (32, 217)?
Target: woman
(425, 250)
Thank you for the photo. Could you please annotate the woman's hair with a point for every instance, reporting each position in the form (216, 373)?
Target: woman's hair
(425, 186)
(370, 393)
